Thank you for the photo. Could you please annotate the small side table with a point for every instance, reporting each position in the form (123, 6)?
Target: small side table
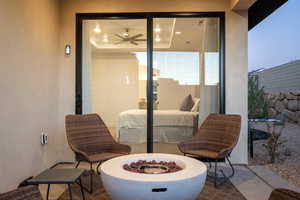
(59, 176)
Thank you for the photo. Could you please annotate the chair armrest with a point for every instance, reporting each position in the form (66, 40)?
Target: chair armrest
(82, 153)
(121, 148)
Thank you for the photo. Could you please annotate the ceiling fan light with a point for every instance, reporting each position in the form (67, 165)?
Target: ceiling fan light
(126, 34)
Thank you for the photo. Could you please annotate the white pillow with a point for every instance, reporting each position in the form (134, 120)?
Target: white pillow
(195, 108)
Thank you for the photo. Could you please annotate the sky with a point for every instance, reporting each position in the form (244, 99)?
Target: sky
(276, 40)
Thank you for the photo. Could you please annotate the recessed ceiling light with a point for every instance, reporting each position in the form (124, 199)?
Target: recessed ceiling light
(157, 39)
(177, 32)
(97, 29)
(105, 39)
(157, 29)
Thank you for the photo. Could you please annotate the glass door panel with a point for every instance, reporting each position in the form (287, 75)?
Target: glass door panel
(185, 78)
(114, 77)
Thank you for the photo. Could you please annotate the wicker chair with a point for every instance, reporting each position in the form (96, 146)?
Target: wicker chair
(91, 141)
(280, 194)
(23, 193)
(214, 142)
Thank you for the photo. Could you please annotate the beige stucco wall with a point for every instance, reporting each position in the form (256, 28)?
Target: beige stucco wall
(236, 50)
(38, 82)
(29, 88)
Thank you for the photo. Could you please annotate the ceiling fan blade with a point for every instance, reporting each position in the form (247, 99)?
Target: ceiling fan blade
(135, 36)
(132, 42)
(119, 42)
(119, 36)
(140, 40)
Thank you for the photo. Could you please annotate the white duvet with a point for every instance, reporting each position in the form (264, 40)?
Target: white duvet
(138, 118)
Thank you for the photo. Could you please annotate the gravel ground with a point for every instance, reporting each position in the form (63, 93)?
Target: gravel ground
(288, 165)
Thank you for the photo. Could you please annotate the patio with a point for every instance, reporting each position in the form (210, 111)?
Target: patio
(248, 184)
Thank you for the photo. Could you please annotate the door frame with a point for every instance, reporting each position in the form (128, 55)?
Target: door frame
(80, 17)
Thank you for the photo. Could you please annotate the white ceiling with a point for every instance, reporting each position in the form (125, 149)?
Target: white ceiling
(195, 33)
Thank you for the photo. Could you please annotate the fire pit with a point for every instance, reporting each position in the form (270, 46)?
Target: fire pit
(152, 167)
(153, 176)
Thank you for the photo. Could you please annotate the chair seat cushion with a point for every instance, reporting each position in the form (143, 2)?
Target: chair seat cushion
(204, 153)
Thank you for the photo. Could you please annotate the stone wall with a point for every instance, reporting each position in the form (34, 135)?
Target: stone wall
(286, 103)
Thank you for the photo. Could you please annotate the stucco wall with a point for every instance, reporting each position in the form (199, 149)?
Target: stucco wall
(236, 51)
(29, 87)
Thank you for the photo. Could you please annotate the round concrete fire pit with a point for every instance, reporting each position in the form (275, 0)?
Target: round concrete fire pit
(185, 184)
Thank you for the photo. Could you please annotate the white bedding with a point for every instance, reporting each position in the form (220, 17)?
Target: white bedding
(161, 118)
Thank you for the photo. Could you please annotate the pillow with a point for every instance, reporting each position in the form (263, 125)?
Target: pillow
(195, 108)
(187, 104)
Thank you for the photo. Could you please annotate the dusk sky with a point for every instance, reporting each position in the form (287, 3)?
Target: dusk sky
(276, 40)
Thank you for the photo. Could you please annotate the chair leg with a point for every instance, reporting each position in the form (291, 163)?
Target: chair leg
(78, 163)
(216, 175)
(91, 178)
(225, 177)
(91, 171)
(98, 167)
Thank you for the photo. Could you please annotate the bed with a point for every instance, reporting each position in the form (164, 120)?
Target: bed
(170, 126)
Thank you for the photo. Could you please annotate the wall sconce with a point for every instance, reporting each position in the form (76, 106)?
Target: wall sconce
(68, 50)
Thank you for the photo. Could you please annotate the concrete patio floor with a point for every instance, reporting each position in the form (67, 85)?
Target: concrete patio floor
(253, 182)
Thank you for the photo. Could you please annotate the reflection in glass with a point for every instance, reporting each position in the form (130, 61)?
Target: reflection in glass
(114, 83)
(186, 84)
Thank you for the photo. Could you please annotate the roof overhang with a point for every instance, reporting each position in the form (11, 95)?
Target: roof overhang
(262, 9)
(238, 5)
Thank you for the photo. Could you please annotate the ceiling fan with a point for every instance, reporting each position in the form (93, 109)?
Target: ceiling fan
(131, 39)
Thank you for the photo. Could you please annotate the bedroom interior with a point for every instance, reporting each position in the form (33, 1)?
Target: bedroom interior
(185, 77)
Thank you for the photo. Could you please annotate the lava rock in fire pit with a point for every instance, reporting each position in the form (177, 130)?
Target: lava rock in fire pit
(152, 167)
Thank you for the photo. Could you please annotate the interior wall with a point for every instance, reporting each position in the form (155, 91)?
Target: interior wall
(171, 94)
(29, 39)
(110, 91)
(236, 51)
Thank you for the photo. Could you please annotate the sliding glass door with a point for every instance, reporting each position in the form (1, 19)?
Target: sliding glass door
(186, 78)
(153, 80)
(114, 77)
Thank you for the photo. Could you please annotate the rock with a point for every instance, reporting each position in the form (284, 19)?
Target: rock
(272, 103)
(281, 96)
(298, 116)
(272, 113)
(285, 103)
(296, 93)
(279, 106)
(290, 116)
(293, 105)
(291, 96)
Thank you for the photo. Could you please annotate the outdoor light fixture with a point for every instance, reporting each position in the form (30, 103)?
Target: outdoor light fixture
(177, 32)
(68, 50)
(97, 29)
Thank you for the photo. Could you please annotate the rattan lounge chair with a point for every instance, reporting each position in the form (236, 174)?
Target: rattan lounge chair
(214, 142)
(91, 141)
(22, 193)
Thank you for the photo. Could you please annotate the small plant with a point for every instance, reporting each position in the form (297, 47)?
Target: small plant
(274, 143)
(257, 103)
